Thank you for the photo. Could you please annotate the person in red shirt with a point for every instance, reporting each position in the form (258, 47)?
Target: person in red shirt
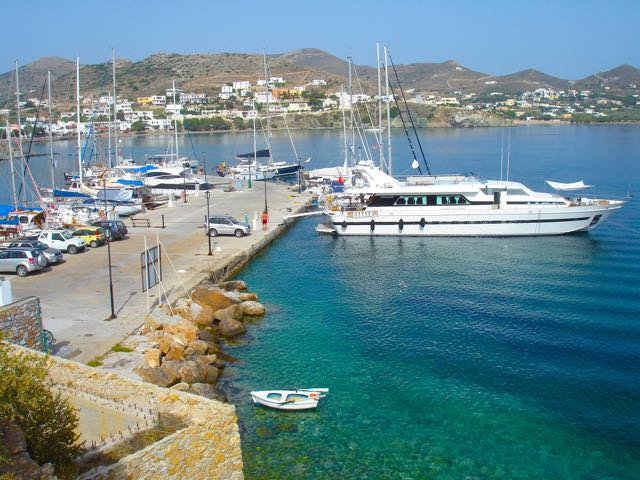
(265, 219)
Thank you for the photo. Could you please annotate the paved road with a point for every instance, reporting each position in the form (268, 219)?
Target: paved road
(75, 295)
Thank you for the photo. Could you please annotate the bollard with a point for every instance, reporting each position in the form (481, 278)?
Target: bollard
(163, 220)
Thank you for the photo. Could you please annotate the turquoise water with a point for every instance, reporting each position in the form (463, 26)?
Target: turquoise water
(447, 358)
(456, 358)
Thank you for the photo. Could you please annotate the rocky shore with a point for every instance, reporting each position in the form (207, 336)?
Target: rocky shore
(179, 346)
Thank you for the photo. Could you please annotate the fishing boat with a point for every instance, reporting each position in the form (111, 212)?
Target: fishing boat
(299, 399)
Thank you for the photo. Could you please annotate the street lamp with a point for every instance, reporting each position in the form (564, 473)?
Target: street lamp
(264, 175)
(208, 195)
(113, 313)
(204, 164)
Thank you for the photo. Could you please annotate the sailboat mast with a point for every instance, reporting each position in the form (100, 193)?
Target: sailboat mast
(379, 136)
(115, 108)
(24, 169)
(266, 81)
(344, 129)
(175, 120)
(13, 172)
(255, 154)
(388, 101)
(53, 173)
(78, 118)
(353, 132)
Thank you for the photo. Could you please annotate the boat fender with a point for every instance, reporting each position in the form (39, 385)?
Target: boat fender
(344, 224)
(373, 225)
(401, 224)
(423, 222)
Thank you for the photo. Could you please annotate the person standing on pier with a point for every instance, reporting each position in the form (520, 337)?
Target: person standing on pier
(265, 219)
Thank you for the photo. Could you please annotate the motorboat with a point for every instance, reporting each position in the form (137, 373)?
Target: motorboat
(300, 399)
(375, 203)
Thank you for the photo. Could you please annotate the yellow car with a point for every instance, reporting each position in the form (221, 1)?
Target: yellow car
(92, 236)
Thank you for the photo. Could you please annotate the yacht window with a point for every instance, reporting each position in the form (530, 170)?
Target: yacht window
(401, 201)
(515, 191)
(24, 219)
(411, 201)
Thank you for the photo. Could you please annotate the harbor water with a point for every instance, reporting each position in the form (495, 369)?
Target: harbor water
(446, 358)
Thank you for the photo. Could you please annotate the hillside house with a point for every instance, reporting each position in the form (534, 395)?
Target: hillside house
(242, 85)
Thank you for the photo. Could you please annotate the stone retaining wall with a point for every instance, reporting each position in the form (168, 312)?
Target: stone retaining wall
(22, 324)
(208, 448)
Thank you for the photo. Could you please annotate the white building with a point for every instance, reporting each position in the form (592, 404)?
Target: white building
(241, 85)
(193, 98)
(226, 89)
(246, 93)
(263, 97)
(298, 107)
(171, 91)
(318, 82)
(225, 96)
(277, 80)
(124, 107)
(158, 123)
(158, 100)
(173, 108)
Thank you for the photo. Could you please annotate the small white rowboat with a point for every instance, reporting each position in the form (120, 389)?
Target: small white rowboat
(301, 399)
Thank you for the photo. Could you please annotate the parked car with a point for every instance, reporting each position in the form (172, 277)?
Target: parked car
(115, 229)
(93, 236)
(62, 240)
(53, 255)
(227, 225)
(22, 261)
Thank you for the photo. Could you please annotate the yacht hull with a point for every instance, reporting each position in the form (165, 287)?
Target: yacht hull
(472, 222)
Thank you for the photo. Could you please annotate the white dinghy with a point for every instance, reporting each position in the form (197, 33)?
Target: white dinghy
(300, 399)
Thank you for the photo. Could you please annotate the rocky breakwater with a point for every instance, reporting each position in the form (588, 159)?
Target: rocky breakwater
(184, 340)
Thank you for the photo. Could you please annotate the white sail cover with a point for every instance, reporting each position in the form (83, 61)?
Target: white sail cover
(567, 186)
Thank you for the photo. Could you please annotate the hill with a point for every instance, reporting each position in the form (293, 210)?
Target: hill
(34, 74)
(529, 79)
(617, 79)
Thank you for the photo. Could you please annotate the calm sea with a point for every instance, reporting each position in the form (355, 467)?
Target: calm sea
(447, 358)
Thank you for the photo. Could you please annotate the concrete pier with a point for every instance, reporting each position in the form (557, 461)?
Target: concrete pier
(75, 295)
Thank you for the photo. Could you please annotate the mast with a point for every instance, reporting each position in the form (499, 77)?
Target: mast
(53, 174)
(115, 109)
(388, 101)
(13, 172)
(20, 133)
(379, 136)
(255, 154)
(266, 81)
(78, 118)
(344, 129)
(353, 132)
(175, 120)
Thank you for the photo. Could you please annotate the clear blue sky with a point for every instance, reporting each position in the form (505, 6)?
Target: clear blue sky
(566, 38)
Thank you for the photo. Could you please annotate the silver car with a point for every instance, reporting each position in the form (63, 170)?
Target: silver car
(227, 225)
(22, 261)
(53, 255)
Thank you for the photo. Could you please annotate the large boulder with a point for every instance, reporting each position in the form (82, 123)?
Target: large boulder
(172, 367)
(210, 374)
(197, 347)
(165, 343)
(237, 285)
(201, 315)
(183, 387)
(152, 357)
(208, 334)
(182, 330)
(230, 327)
(204, 390)
(175, 353)
(233, 311)
(245, 297)
(193, 372)
(212, 297)
(158, 376)
(252, 308)
(213, 348)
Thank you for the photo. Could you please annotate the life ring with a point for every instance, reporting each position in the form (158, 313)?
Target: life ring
(373, 225)
(423, 222)
(401, 224)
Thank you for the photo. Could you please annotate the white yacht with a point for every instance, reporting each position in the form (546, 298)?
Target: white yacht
(457, 205)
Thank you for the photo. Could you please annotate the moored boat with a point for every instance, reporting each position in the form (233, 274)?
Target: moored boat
(300, 399)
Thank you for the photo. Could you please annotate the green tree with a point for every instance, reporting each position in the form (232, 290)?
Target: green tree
(238, 123)
(47, 420)
(138, 126)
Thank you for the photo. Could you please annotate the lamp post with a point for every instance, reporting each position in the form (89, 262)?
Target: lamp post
(204, 166)
(208, 195)
(266, 208)
(113, 313)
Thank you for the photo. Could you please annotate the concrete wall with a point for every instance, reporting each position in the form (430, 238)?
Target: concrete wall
(208, 448)
(22, 324)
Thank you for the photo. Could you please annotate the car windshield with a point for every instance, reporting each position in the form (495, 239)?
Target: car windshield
(233, 220)
(67, 235)
(40, 245)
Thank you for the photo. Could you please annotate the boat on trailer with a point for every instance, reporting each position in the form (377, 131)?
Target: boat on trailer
(299, 399)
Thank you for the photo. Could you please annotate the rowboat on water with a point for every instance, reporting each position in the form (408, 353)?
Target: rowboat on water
(299, 399)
